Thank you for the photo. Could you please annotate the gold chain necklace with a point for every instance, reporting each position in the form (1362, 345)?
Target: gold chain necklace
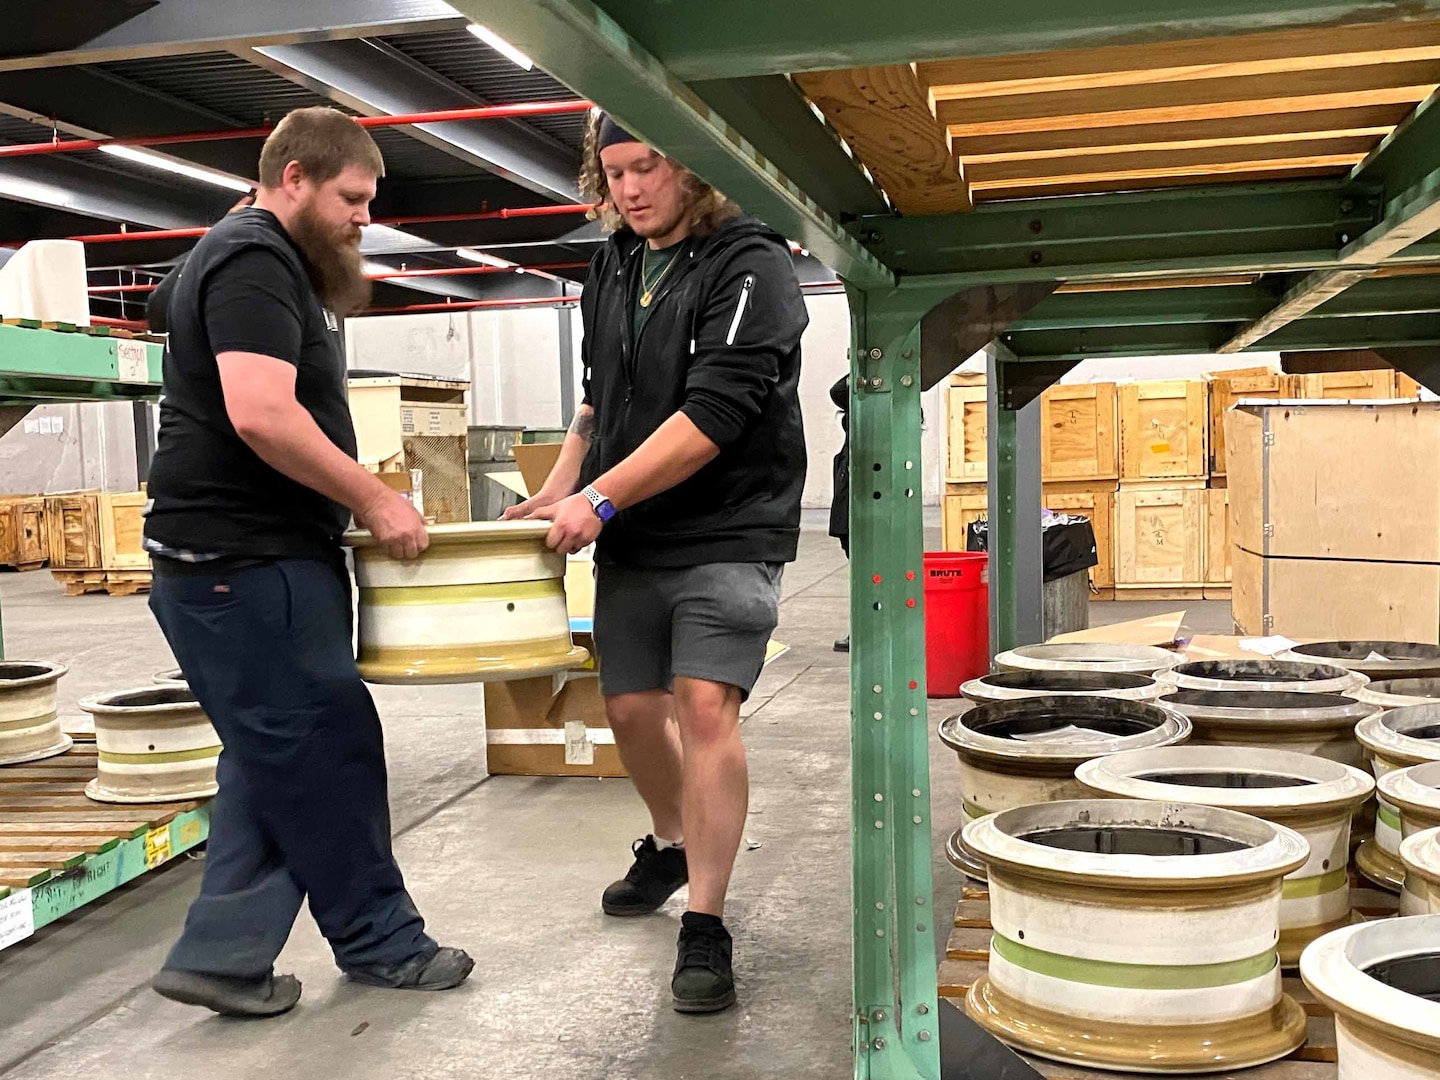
(648, 295)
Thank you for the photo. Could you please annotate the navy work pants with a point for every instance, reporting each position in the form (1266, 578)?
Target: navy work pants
(302, 809)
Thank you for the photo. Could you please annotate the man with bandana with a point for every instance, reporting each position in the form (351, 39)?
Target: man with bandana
(684, 466)
(254, 480)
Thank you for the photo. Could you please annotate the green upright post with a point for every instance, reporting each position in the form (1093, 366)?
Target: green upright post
(1016, 572)
(895, 1018)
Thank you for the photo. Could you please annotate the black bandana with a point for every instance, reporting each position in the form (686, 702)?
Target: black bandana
(612, 133)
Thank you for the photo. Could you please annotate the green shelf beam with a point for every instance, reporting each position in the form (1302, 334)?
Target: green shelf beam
(52, 365)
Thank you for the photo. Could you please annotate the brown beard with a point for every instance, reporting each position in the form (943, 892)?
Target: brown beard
(333, 259)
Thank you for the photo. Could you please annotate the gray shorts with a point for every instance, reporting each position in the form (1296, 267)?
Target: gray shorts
(708, 622)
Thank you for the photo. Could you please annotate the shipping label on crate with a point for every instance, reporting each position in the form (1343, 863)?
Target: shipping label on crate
(133, 360)
(157, 846)
(17, 917)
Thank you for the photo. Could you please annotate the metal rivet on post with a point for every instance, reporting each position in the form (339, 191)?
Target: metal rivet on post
(920, 900)
(908, 353)
(876, 383)
(916, 819)
(879, 824)
(879, 1044)
(878, 1016)
(923, 1009)
(920, 927)
(876, 688)
(879, 797)
(879, 905)
(915, 792)
(877, 354)
(906, 380)
(879, 933)
(914, 712)
(924, 1036)
(879, 716)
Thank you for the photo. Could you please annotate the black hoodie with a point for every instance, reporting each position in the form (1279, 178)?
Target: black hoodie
(721, 345)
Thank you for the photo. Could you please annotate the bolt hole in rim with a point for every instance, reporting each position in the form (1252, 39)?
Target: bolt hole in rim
(1382, 979)
(1314, 796)
(1025, 751)
(1011, 685)
(153, 744)
(29, 722)
(1186, 981)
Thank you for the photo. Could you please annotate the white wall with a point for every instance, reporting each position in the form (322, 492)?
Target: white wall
(1127, 368)
(90, 445)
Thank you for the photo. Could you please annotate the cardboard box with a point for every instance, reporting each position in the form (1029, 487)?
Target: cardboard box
(535, 461)
(1336, 480)
(1335, 599)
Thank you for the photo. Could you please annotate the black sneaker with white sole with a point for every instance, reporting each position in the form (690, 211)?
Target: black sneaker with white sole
(653, 878)
(704, 981)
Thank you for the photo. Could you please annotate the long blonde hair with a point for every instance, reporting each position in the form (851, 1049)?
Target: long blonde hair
(708, 208)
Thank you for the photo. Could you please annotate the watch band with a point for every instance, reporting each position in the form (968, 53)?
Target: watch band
(603, 507)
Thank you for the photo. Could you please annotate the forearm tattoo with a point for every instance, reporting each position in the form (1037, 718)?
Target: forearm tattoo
(584, 424)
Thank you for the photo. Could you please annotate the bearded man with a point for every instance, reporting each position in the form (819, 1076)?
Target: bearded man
(253, 482)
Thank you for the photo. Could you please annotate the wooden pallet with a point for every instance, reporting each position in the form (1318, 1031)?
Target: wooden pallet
(114, 582)
(967, 955)
(60, 850)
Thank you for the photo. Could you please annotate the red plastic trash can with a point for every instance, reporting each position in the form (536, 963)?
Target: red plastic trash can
(957, 620)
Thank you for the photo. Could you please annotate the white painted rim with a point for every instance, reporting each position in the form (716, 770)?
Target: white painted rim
(93, 790)
(118, 704)
(172, 677)
(463, 532)
(51, 674)
(1169, 727)
(1290, 710)
(1332, 968)
(1331, 785)
(55, 750)
(1298, 677)
(1271, 850)
(1414, 790)
(1055, 683)
(1398, 693)
(1384, 734)
(1420, 852)
(1086, 656)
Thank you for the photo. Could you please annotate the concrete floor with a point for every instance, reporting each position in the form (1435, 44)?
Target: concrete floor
(511, 869)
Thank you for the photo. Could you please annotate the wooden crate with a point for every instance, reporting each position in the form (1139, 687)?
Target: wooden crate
(1078, 433)
(1405, 386)
(1097, 502)
(1163, 430)
(966, 447)
(96, 531)
(1227, 387)
(23, 542)
(964, 503)
(1349, 384)
(1160, 537)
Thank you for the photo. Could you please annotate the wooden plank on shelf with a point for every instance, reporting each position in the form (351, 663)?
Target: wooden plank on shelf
(1305, 49)
(1163, 430)
(1079, 438)
(973, 914)
(1200, 99)
(1227, 131)
(884, 114)
(968, 943)
(954, 977)
(966, 447)
(1086, 187)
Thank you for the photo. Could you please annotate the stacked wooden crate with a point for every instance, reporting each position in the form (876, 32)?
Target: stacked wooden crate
(1078, 466)
(95, 542)
(23, 543)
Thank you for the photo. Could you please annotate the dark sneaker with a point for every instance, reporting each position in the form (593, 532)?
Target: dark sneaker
(441, 970)
(653, 879)
(704, 981)
(229, 995)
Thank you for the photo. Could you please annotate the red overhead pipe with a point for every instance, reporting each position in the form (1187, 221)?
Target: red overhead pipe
(122, 288)
(125, 235)
(436, 116)
(451, 271)
(467, 305)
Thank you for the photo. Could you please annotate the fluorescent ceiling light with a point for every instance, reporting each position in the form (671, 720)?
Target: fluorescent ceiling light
(481, 257)
(500, 45)
(193, 172)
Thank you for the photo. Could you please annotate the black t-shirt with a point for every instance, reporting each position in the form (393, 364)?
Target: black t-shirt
(244, 288)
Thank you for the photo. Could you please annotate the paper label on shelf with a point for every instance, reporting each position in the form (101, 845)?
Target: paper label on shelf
(579, 750)
(157, 846)
(17, 917)
(133, 360)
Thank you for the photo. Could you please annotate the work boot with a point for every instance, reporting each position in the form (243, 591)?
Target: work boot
(843, 644)
(229, 995)
(653, 879)
(704, 981)
(440, 970)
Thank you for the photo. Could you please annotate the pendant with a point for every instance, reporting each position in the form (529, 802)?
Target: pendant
(645, 299)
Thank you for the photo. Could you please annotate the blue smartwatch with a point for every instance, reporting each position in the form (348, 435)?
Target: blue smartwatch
(603, 507)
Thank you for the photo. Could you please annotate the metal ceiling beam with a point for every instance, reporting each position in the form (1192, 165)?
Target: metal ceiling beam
(1125, 235)
(734, 38)
(588, 51)
(1407, 165)
(776, 119)
(373, 79)
(177, 27)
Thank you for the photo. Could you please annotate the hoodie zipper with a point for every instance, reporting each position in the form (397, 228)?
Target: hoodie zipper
(746, 287)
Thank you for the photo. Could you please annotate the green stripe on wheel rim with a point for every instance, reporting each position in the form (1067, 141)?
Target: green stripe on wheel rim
(1315, 886)
(974, 810)
(1134, 976)
(406, 595)
(166, 758)
(1389, 815)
